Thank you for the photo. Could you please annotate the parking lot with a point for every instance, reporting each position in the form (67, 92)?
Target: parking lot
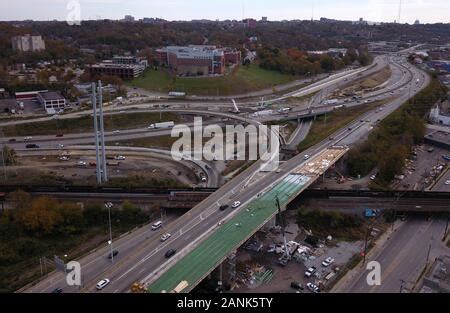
(263, 251)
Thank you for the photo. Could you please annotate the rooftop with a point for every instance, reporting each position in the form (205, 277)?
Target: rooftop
(51, 95)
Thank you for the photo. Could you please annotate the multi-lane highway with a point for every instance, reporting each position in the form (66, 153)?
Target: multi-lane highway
(403, 257)
(147, 256)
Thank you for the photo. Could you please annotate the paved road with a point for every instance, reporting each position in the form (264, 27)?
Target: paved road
(404, 256)
(148, 257)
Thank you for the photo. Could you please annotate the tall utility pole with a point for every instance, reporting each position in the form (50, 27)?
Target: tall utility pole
(102, 132)
(97, 150)
(108, 206)
(399, 12)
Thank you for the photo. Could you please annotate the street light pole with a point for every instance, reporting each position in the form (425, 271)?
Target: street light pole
(109, 205)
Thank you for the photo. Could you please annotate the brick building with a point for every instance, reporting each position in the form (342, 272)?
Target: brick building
(198, 60)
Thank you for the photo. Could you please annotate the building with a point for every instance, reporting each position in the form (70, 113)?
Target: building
(264, 19)
(53, 102)
(126, 67)
(198, 60)
(27, 43)
(440, 114)
(119, 59)
(124, 71)
(128, 18)
(437, 279)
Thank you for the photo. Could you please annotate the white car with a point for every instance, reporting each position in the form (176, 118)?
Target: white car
(60, 146)
(236, 204)
(328, 262)
(310, 271)
(306, 157)
(64, 158)
(81, 163)
(165, 237)
(102, 284)
(28, 138)
(312, 287)
(447, 182)
(116, 132)
(120, 158)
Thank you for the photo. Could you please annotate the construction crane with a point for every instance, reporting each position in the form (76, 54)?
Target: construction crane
(236, 109)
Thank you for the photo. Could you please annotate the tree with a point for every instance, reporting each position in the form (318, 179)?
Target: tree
(42, 217)
(20, 199)
(10, 156)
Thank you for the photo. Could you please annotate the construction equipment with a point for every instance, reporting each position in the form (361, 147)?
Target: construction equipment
(180, 287)
(137, 288)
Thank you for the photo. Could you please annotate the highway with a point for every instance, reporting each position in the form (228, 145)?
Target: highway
(147, 257)
(404, 256)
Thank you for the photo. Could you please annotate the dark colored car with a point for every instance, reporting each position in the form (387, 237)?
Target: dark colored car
(297, 285)
(59, 135)
(12, 140)
(170, 253)
(224, 207)
(57, 290)
(32, 146)
(114, 253)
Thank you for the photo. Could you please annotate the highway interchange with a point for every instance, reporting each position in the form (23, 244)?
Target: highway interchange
(142, 253)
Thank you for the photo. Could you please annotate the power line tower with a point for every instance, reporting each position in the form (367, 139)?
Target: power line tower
(99, 134)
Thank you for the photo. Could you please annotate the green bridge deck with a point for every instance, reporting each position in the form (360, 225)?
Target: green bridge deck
(209, 253)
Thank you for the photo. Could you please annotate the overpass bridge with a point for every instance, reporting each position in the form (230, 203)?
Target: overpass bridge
(228, 235)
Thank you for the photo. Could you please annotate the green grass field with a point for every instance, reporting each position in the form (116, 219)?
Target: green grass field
(334, 121)
(243, 79)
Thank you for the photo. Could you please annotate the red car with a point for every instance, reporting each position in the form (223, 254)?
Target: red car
(92, 164)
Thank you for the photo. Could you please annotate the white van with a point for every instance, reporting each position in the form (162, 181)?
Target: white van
(157, 225)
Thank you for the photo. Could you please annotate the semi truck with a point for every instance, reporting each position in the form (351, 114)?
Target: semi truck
(330, 101)
(161, 125)
(262, 113)
(177, 94)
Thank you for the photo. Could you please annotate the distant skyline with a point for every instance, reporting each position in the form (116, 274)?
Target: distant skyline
(427, 11)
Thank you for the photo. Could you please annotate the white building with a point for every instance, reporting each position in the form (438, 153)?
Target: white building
(28, 43)
(439, 116)
(53, 102)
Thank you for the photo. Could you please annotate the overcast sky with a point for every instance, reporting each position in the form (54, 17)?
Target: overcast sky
(427, 11)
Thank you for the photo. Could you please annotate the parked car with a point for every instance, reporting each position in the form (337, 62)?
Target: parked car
(310, 271)
(12, 140)
(170, 253)
(312, 287)
(120, 158)
(447, 182)
(297, 285)
(327, 262)
(59, 135)
(306, 157)
(165, 237)
(57, 290)
(102, 284)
